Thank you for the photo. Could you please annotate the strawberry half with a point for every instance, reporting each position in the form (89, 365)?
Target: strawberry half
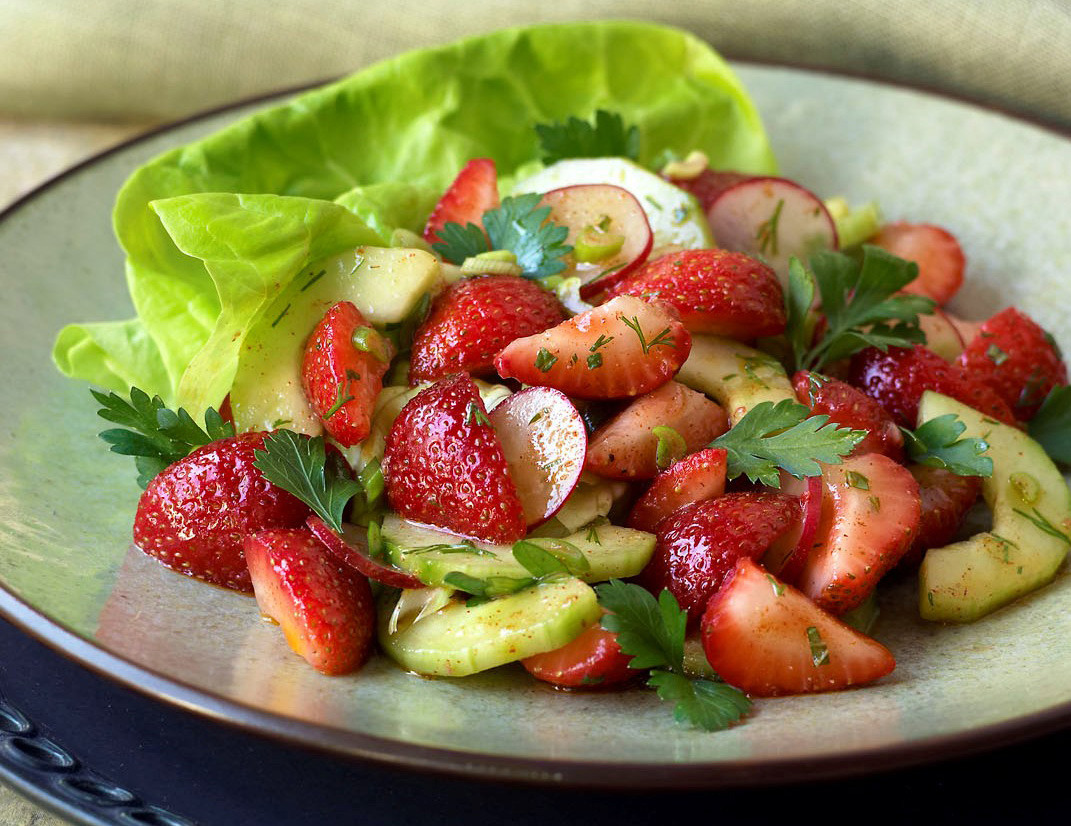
(768, 639)
(699, 544)
(1017, 358)
(692, 479)
(443, 465)
(870, 517)
(473, 192)
(945, 498)
(592, 660)
(324, 607)
(193, 515)
(473, 319)
(897, 378)
(715, 291)
(849, 407)
(936, 251)
(342, 372)
(626, 446)
(623, 348)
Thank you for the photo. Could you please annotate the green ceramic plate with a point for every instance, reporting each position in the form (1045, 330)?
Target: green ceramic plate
(70, 577)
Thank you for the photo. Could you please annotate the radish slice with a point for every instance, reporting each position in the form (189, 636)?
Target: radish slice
(351, 548)
(607, 210)
(771, 219)
(786, 557)
(545, 443)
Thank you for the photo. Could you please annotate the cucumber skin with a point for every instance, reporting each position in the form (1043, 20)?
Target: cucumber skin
(459, 640)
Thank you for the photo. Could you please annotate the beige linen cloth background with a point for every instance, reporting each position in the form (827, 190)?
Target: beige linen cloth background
(79, 75)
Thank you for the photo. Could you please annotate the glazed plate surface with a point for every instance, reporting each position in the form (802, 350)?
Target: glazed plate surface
(70, 577)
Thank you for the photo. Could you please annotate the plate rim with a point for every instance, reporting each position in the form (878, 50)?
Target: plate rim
(436, 760)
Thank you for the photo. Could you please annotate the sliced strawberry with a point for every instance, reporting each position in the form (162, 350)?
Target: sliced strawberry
(870, 517)
(897, 378)
(351, 548)
(699, 544)
(473, 319)
(768, 639)
(625, 447)
(342, 372)
(692, 479)
(473, 192)
(193, 514)
(592, 660)
(715, 291)
(849, 407)
(443, 465)
(945, 499)
(625, 347)
(936, 251)
(788, 553)
(1017, 358)
(324, 607)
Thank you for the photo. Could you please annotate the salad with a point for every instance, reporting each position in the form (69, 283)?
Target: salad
(590, 392)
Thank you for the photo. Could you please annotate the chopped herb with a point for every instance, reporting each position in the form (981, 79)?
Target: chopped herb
(778, 588)
(341, 397)
(1044, 525)
(545, 360)
(279, 318)
(785, 436)
(671, 446)
(652, 632)
(300, 464)
(474, 413)
(996, 355)
(600, 342)
(313, 280)
(466, 546)
(607, 137)
(594, 361)
(819, 652)
(861, 302)
(663, 339)
(937, 443)
(767, 231)
(519, 225)
(855, 479)
(153, 434)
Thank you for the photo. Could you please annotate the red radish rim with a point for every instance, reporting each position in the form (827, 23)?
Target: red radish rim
(350, 550)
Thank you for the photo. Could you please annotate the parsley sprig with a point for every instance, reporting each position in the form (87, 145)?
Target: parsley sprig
(519, 225)
(785, 436)
(606, 137)
(154, 434)
(652, 632)
(1051, 425)
(937, 443)
(301, 465)
(544, 561)
(859, 301)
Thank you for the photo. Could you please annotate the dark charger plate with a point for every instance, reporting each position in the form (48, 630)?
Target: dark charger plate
(98, 753)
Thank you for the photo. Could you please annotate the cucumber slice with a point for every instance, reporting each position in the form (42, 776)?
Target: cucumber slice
(1031, 532)
(676, 219)
(458, 640)
(611, 551)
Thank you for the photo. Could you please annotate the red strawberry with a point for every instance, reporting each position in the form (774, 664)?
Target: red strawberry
(625, 347)
(625, 447)
(945, 499)
(473, 192)
(592, 660)
(870, 517)
(324, 607)
(692, 479)
(936, 251)
(897, 378)
(768, 639)
(443, 465)
(699, 544)
(473, 319)
(342, 372)
(849, 407)
(715, 291)
(193, 514)
(1017, 358)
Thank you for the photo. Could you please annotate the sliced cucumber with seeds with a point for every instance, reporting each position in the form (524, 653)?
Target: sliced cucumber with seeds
(611, 552)
(458, 640)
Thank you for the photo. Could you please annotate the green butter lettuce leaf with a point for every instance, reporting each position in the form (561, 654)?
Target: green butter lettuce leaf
(251, 247)
(413, 120)
(392, 205)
